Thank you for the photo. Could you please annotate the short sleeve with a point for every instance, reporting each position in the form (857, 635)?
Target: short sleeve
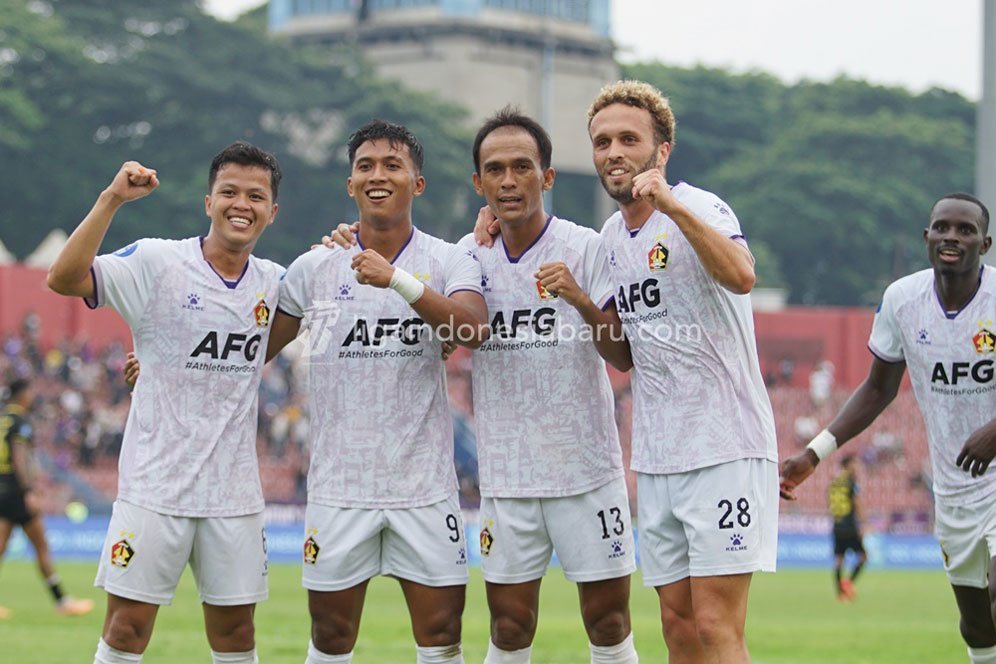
(295, 285)
(598, 280)
(720, 216)
(123, 280)
(462, 270)
(886, 342)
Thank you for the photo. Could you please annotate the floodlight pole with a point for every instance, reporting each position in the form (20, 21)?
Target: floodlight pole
(985, 135)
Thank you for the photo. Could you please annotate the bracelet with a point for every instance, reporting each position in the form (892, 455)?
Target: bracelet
(823, 444)
(406, 285)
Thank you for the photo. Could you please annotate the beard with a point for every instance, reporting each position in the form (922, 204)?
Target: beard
(624, 193)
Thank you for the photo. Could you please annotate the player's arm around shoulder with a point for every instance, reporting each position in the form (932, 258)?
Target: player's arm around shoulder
(70, 272)
(459, 314)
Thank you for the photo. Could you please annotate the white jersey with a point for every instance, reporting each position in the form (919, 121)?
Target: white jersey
(698, 396)
(542, 401)
(381, 429)
(190, 443)
(950, 357)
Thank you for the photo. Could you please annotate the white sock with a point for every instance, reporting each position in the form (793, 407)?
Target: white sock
(108, 655)
(316, 656)
(440, 655)
(982, 655)
(234, 657)
(497, 656)
(623, 652)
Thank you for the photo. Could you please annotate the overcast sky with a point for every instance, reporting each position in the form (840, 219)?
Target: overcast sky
(914, 43)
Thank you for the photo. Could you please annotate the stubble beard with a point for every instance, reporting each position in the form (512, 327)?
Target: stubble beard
(624, 194)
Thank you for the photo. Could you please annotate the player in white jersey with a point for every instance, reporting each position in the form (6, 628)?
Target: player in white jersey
(939, 324)
(382, 491)
(189, 487)
(703, 432)
(550, 464)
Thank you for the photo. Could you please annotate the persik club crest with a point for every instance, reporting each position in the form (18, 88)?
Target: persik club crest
(261, 312)
(657, 258)
(984, 340)
(487, 539)
(311, 548)
(122, 551)
(544, 294)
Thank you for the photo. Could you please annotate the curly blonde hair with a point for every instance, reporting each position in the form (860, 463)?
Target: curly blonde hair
(638, 95)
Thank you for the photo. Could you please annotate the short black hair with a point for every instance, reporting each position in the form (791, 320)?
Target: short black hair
(962, 196)
(17, 387)
(397, 135)
(246, 154)
(510, 116)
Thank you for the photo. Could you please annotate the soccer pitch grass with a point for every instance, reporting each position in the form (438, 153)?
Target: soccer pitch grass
(794, 619)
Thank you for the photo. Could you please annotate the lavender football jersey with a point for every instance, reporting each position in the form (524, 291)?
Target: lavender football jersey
(381, 430)
(950, 357)
(190, 442)
(542, 401)
(698, 396)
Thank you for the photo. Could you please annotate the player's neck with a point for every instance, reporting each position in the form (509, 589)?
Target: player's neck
(519, 237)
(229, 263)
(635, 213)
(955, 290)
(388, 241)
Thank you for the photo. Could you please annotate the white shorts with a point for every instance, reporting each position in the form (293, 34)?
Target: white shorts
(145, 553)
(591, 532)
(710, 521)
(345, 546)
(967, 535)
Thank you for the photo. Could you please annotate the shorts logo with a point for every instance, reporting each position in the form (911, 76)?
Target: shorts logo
(261, 312)
(984, 340)
(657, 258)
(121, 553)
(617, 549)
(736, 543)
(487, 539)
(461, 556)
(311, 548)
(544, 294)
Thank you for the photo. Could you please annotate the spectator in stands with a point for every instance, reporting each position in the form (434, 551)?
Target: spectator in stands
(821, 384)
(937, 321)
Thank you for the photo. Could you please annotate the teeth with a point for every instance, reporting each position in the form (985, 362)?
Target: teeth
(239, 221)
(617, 171)
(378, 193)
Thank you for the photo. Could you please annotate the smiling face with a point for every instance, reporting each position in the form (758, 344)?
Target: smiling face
(623, 146)
(511, 178)
(384, 182)
(240, 205)
(956, 237)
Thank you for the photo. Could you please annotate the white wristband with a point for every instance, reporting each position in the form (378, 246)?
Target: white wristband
(823, 444)
(406, 285)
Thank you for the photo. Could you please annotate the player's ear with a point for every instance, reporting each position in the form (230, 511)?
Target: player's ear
(273, 214)
(419, 185)
(349, 187)
(663, 154)
(476, 179)
(207, 205)
(549, 175)
(986, 243)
